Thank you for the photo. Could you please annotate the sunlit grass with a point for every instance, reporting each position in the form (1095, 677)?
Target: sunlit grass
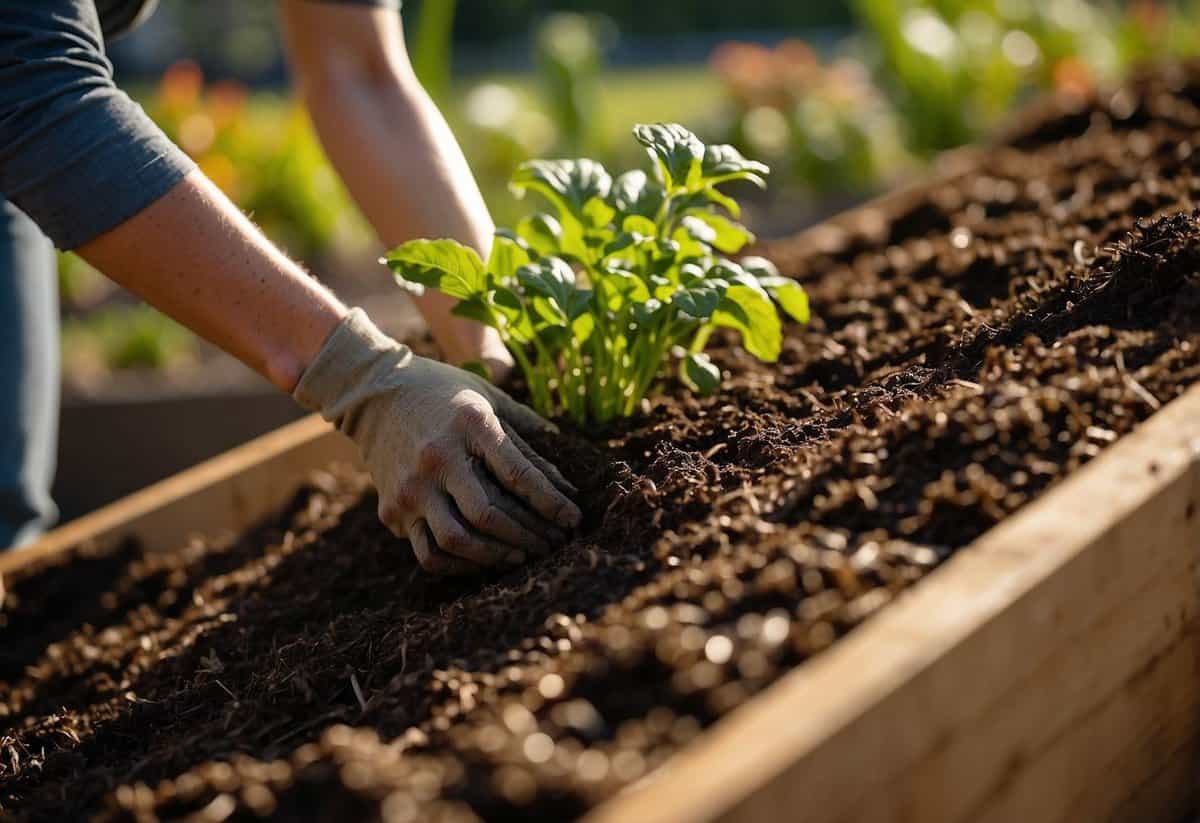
(680, 94)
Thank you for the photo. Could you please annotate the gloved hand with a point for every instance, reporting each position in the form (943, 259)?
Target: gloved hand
(445, 450)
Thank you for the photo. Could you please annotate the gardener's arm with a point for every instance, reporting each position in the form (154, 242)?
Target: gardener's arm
(83, 160)
(390, 145)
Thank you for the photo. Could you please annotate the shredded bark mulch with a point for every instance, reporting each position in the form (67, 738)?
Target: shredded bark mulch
(973, 344)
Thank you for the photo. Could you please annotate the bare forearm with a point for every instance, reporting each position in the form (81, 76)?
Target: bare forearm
(395, 152)
(397, 156)
(193, 255)
(390, 145)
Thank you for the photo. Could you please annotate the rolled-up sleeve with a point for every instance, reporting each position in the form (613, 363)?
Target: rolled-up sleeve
(76, 154)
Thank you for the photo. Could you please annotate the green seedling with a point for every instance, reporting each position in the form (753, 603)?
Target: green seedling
(596, 296)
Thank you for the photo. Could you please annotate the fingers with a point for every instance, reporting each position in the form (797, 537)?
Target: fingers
(431, 558)
(523, 515)
(520, 417)
(455, 537)
(547, 468)
(494, 514)
(522, 478)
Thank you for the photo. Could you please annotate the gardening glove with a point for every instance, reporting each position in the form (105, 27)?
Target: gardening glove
(445, 450)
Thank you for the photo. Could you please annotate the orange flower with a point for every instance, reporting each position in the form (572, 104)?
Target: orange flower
(1149, 15)
(1072, 76)
(226, 101)
(180, 86)
(747, 70)
(196, 133)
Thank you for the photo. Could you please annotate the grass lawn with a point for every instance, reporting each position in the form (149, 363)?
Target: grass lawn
(628, 96)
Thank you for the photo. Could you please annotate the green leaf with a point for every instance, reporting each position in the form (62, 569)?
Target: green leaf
(690, 247)
(790, 296)
(699, 373)
(476, 309)
(445, 265)
(621, 242)
(719, 232)
(690, 273)
(759, 267)
(636, 224)
(724, 163)
(634, 194)
(542, 232)
(582, 327)
(644, 314)
(729, 272)
(679, 153)
(700, 299)
(723, 200)
(507, 256)
(753, 314)
(613, 272)
(661, 287)
(704, 198)
(549, 310)
(571, 185)
(624, 288)
(554, 280)
(597, 213)
(511, 315)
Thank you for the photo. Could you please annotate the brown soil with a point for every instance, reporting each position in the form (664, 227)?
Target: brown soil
(974, 344)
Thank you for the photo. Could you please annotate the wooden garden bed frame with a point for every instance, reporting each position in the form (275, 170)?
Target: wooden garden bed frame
(1048, 672)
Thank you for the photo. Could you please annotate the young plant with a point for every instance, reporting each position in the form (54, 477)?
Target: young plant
(593, 298)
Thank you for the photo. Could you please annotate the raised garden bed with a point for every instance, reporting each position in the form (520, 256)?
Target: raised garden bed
(977, 340)
(126, 426)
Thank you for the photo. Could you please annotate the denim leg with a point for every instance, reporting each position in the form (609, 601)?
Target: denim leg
(29, 377)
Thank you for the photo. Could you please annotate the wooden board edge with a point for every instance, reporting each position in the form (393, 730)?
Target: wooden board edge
(750, 751)
(226, 492)
(866, 218)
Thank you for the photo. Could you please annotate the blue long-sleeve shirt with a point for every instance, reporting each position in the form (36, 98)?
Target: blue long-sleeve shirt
(76, 153)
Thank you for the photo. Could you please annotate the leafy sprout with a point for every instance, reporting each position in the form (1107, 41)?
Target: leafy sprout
(595, 296)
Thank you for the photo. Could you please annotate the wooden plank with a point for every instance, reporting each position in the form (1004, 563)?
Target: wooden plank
(871, 219)
(1030, 646)
(229, 492)
(1050, 667)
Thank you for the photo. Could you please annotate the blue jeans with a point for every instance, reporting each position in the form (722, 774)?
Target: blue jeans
(29, 380)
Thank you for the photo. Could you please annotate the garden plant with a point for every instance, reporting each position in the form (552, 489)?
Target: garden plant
(594, 297)
(975, 341)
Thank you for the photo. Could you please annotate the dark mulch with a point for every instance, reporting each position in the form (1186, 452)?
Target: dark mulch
(971, 348)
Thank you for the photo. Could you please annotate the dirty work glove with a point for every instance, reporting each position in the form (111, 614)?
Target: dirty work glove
(445, 450)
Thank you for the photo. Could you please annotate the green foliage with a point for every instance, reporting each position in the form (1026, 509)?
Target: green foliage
(570, 51)
(955, 67)
(432, 46)
(79, 284)
(824, 125)
(595, 296)
(125, 337)
(260, 150)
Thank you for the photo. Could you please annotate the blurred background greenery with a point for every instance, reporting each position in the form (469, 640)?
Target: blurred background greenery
(841, 98)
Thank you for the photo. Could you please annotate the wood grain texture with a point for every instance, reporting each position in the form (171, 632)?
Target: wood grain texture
(1048, 672)
(227, 493)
